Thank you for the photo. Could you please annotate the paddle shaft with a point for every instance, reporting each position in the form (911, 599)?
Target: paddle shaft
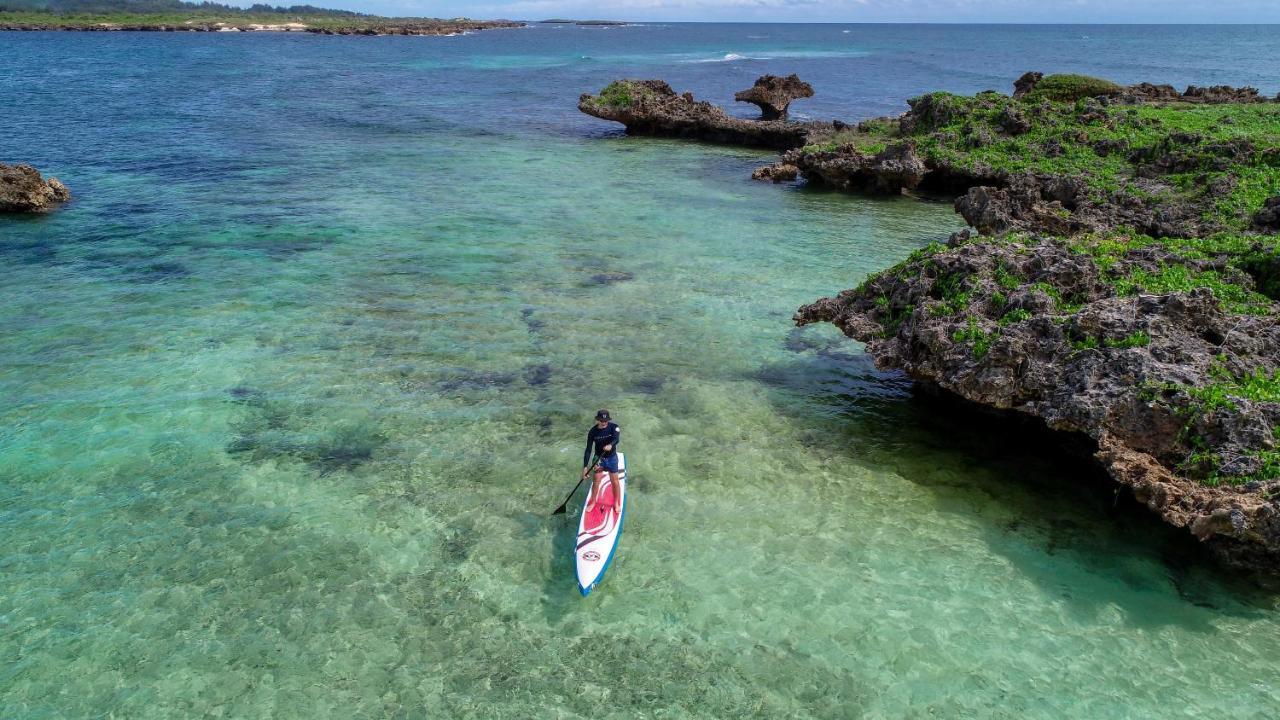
(565, 504)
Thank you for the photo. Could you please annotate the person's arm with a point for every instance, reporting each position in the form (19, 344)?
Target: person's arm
(615, 438)
(586, 454)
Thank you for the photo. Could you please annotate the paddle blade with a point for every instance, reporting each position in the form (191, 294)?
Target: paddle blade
(565, 504)
(575, 488)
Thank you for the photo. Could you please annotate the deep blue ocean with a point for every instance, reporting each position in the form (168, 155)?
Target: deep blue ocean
(289, 390)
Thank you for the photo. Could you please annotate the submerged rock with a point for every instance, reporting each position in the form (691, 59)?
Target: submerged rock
(612, 277)
(23, 190)
(774, 94)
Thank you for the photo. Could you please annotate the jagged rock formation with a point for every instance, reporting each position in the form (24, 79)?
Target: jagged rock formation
(23, 190)
(1268, 218)
(1065, 205)
(778, 173)
(1002, 157)
(895, 169)
(1037, 326)
(1074, 87)
(1116, 291)
(1215, 95)
(1025, 84)
(651, 107)
(774, 94)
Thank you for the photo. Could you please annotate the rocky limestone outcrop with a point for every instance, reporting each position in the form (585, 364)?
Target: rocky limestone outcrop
(774, 94)
(1025, 84)
(1149, 92)
(996, 201)
(1214, 95)
(778, 173)
(891, 171)
(651, 107)
(1268, 218)
(1066, 205)
(985, 320)
(23, 190)
(1139, 314)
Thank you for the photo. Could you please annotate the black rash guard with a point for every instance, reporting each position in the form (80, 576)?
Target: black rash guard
(597, 438)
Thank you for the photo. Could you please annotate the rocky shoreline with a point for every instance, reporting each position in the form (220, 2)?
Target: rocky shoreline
(1123, 285)
(24, 190)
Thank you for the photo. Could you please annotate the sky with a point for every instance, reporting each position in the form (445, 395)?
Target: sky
(1024, 11)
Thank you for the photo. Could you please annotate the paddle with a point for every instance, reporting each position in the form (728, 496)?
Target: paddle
(564, 504)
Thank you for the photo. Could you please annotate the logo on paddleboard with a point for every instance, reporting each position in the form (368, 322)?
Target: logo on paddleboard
(591, 556)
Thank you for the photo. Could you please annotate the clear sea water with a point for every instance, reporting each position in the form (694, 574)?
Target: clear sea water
(291, 387)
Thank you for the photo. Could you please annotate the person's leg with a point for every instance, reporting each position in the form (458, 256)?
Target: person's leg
(617, 491)
(594, 496)
(607, 468)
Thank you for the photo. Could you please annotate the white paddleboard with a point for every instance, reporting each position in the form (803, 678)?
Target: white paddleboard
(599, 529)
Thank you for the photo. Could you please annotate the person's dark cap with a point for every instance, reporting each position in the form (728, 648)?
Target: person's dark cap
(602, 414)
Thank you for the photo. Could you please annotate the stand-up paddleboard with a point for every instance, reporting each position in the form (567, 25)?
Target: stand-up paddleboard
(599, 529)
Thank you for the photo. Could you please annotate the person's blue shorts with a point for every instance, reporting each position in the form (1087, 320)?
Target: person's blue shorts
(609, 463)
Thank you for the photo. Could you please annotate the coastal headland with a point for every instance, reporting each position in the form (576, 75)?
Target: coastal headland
(177, 16)
(1121, 285)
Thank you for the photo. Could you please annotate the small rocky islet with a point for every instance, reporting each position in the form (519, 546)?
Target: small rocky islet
(1122, 285)
(24, 190)
(651, 107)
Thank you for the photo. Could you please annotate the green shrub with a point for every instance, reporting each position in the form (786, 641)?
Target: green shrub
(1006, 279)
(933, 111)
(975, 336)
(1089, 343)
(1137, 339)
(1016, 315)
(617, 94)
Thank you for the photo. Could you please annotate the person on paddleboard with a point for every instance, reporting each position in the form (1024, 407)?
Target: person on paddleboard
(603, 438)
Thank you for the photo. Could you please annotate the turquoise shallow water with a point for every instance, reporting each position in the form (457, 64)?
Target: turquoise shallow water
(294, 383)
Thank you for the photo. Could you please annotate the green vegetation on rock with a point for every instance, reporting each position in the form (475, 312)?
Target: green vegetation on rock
(1124, 282)
(1223, 160)
(617, 94)
(1070, 88)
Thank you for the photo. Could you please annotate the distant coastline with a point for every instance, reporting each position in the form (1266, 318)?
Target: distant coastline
(222, 21)
(563, 21)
